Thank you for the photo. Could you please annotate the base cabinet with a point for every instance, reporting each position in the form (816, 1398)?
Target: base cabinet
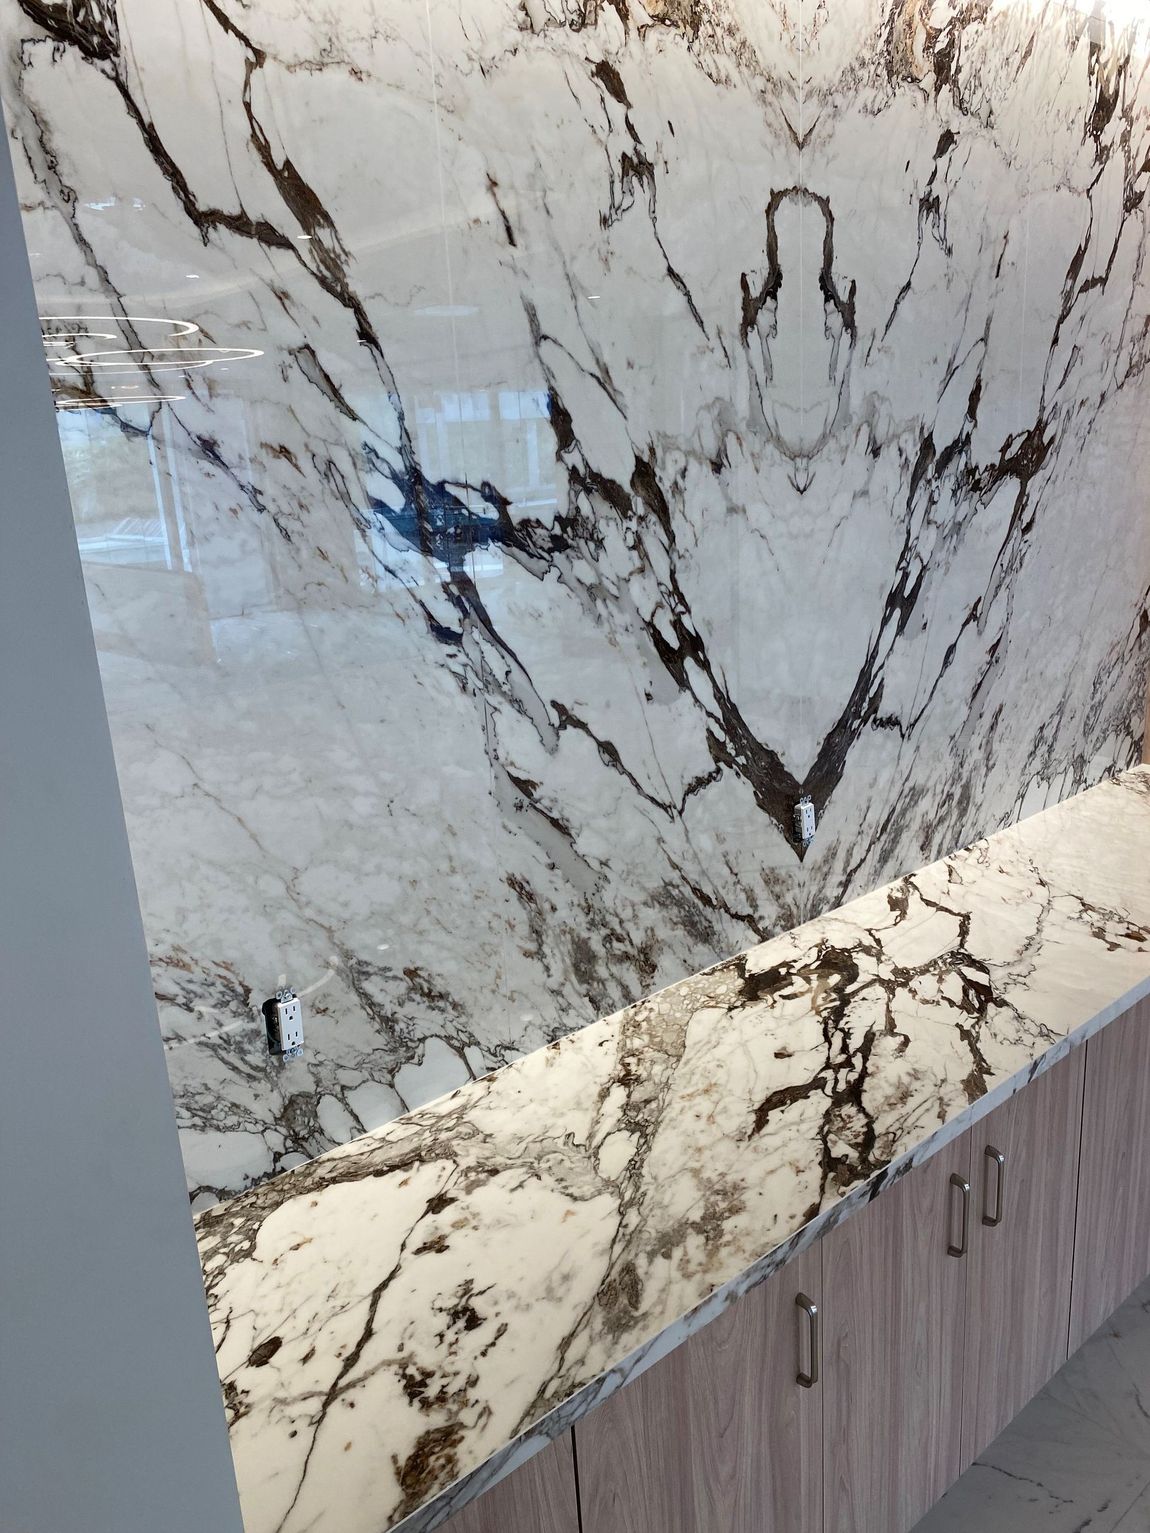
(1112, 1249)
(1024, 1170)
(720, 1435)
(846, 1393)
(895, 1307)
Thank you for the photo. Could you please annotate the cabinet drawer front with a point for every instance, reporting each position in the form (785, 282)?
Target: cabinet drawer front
(1112, 1250)
(539, 1497)
(894, 1308)
(1024, 1163)
(720, 1437)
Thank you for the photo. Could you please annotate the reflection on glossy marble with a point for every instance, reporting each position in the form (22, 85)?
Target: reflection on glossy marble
(659, 412)
(1078, 1457)
(402, 1318)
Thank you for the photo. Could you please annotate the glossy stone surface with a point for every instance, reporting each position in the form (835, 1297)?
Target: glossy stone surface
(598, 425)
(396, 1319)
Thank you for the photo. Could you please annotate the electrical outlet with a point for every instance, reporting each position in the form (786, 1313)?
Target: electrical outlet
(804, 821)
(283, 1017)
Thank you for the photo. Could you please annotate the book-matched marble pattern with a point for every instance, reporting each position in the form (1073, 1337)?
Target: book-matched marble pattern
(520, 447)
(400, 1319)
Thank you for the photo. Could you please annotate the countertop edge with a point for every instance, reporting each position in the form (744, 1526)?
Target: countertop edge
(520, 1450)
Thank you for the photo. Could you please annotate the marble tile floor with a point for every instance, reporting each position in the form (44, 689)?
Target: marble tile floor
(1077, 1459)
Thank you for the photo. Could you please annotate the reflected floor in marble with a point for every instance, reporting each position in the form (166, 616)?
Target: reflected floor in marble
(1078, 1457)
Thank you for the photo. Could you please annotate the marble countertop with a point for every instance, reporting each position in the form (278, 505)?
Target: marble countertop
(400, 1320)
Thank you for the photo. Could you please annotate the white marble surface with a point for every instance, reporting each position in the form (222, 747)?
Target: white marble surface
(659, 411)
(391, 1318)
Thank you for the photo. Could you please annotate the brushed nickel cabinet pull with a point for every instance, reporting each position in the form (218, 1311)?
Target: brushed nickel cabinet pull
(964, 1191)
(997, 1159)
(811, 1310)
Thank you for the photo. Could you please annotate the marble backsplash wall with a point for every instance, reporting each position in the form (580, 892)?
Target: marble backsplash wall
(519, 447)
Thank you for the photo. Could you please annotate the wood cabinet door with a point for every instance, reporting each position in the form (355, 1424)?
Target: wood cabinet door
(719, 1437)
(1024, 1163)
(538, 1497)
(1112, 1244)
(894, 1317)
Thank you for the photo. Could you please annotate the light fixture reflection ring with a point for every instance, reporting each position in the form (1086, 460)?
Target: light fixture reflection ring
(64, 335)
(95, 403)
(178, 327)
(103, 361)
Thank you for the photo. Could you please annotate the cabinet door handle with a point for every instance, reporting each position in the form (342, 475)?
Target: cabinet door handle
(810, 1309)
(964, 1192)
(997, 1159)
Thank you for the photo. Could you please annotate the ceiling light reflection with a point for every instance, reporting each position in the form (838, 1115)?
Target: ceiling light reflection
(446, 311)
(116, 404)
(1119, 12)
(177, 327)
(96, 361)
(1116, 17)
(66, 335)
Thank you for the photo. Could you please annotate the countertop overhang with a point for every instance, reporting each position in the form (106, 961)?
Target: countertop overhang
(405, 1318)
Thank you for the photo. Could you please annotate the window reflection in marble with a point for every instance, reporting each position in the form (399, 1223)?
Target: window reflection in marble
(143, 524)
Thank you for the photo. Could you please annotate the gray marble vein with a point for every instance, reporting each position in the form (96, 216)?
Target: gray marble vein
(402, 1317)
(518, 447)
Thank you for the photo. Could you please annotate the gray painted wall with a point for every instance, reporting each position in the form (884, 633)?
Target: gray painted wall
(110, 1412)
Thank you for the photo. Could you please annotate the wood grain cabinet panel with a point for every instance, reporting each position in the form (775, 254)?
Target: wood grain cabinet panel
(538, 1497)
(1024, 1162)
(894, 1311)
(1112, 1250)
(719, 1437)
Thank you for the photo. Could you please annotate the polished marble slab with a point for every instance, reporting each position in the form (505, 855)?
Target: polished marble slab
(518, 447)
(398, 1320)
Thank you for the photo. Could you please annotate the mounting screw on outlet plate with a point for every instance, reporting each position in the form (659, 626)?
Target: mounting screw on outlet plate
(804, 821)
(283, 1017)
